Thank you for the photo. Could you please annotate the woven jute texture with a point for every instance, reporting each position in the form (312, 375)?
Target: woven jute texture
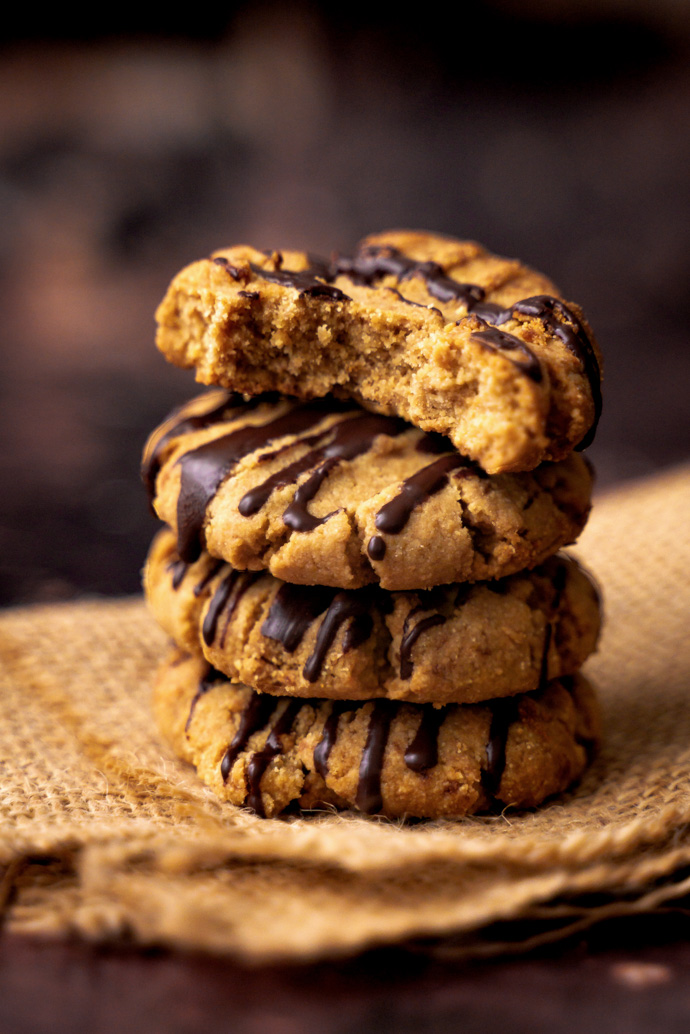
(103, 834)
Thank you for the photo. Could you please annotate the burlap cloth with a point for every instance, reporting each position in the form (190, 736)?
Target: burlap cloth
(105, 835)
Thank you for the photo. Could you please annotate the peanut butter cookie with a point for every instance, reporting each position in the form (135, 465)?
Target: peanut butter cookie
(452, 644)
(326, 493)
(399, 760)
(437, 331)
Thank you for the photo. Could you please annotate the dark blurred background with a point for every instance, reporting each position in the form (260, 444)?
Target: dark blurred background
(558, 132)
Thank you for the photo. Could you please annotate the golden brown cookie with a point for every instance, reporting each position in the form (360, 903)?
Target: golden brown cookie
(375, 756)
(326, 493)
(431, 329)
(453, 644)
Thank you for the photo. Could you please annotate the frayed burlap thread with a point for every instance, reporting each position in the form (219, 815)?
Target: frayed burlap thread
(104, 834)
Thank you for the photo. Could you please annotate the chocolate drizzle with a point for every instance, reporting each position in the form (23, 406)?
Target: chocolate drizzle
(228, 594)
(260, 760)
(373, 261)
(308, 282)
(203, 469)
(503, 713)
(394, 515)
(293, 610)
(322, 751)
(502, 342)
(205, 683)
(411, 634)
(368, 798)
(254, 717)
(181, 421)
(422, 753)
(351, 438)
(296, 607)
(420, 756)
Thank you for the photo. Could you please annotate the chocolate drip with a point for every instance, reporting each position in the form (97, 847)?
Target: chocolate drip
(354, 606)
(204, 468)
(556, 318)
(375, 261)
(180, 422)
(256, 498)
(503, 714)
(376, 547)
(205, 683)
(559, 582)
(260, 760)
(322, 751)
(254, 717)
(208, 577)
(178, 570)
(411, 635)
(394, 515)
(293, 610)
(228, 594)
(422, 753)
(296, 607)
(306, 281)
(368, 798)
(502, 342)
(351, 438)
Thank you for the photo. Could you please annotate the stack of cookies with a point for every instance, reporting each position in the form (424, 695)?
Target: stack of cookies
(360, 567)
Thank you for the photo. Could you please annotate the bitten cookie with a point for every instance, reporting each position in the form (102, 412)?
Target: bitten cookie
(452, 644)
(376, 756)
(434, 330)
(326, 493)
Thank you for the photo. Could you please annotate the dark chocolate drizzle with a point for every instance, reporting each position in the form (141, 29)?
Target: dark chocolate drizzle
(351, 438)
(296, 607)
(394, 515)
(254, 717)
(368, 798)
(260, 759)
(308, 282)
(344, 440)
(503, 713)
(180, 421)
(226, 597)
(374, 261)
(204, 468)
(411, 634)
(178, 569)
(499, 341)
(422, 753)
(211, 676)
(293, 611)
(322, 751)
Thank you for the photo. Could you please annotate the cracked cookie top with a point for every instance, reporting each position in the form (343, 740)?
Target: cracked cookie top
(324, 492)
(437, 331)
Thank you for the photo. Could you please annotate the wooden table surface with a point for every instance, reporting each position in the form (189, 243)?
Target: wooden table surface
(631, 978)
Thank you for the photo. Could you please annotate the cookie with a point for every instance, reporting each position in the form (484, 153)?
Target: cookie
(437, 331)
(453, 644)
(399, 760)
(326, 493)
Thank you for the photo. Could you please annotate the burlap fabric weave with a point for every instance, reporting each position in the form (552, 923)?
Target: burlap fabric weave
(105, 835)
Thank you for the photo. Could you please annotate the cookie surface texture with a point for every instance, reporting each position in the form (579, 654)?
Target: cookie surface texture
(326, 493)
(434, 330)
(452, 644)
(376, 756)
